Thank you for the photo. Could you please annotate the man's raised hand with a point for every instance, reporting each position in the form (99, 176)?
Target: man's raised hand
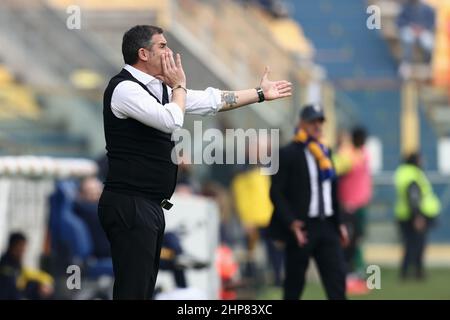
(172, 71)
(275, 89)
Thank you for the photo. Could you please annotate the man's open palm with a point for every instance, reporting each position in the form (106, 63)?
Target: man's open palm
(275, 89)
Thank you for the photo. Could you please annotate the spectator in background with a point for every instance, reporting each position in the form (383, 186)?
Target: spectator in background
(176, 260)
(223, 173)
(186, 181)
(170, 251)
(415, 210)
(226, 263)
(251, 194)
(354, 193)
(306, 209)
(416, 24)
(18, 282)
(221, 196)
(85, 207)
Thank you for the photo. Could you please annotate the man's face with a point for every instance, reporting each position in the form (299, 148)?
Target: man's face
(18, 251)
(313, 128)
(152, 55)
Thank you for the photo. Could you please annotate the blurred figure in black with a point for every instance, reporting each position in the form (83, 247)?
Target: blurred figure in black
(306, 209)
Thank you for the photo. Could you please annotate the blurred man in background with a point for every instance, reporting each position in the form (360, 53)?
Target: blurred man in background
(187, 183)
(86, 207)
(306, 214)
(354, 192)
(416, 24)
(171, 250)
(250, 189)
(415, 210)
(17, 281)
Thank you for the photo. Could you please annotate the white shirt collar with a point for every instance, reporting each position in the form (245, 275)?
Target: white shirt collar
(143, 77)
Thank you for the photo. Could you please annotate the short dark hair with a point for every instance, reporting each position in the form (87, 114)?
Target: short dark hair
(137, 37)
(413, 158)
(15, 238)
(359, 136)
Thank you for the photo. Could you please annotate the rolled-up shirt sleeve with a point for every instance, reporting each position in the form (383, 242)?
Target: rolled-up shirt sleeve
(203, 102)
(130, 100)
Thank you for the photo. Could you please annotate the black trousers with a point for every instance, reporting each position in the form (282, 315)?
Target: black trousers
(414, 243)
(324, 246)
(134, 227)
(355, 225)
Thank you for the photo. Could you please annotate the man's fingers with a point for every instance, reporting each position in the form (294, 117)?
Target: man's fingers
(345, 241)
(164, 63)
(179, 65)
(302, 242)
(283, 84)
(284, 90)
(301, 237)
(266, 73)
(284, 95)
(172, 61)
(168, 62)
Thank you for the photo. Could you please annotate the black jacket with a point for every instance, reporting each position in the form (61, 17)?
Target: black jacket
(10, 270)
(290, 192)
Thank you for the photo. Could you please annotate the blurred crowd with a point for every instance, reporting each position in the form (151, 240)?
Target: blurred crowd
(248, 259)
(416, 26)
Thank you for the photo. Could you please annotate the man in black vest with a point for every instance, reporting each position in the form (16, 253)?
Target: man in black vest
(306, 212)
(142, 106)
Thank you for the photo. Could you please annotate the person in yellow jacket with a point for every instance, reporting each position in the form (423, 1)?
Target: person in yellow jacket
(250, 190)
(415, 210)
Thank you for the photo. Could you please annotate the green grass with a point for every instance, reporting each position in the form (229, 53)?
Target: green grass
(435, 287)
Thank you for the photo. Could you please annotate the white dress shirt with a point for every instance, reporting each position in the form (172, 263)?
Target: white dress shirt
(130, 100)
(314, 184)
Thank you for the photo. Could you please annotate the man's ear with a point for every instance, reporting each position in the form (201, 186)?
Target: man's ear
(143, 54)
